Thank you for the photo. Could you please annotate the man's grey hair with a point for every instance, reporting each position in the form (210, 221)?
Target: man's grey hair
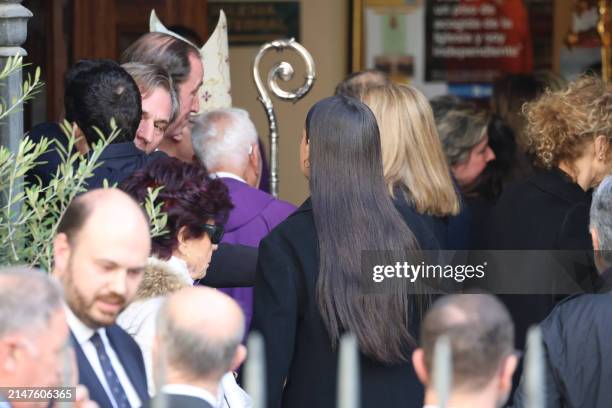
(601, 218)
(149, 77)
(481, 335)
(223, 136)
(194, 352)
(460, 125)
(28, 300)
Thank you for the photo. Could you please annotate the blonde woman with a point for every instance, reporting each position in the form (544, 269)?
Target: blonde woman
(416, 173)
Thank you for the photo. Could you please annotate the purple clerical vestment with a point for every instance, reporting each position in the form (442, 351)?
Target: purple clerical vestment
(255, 213)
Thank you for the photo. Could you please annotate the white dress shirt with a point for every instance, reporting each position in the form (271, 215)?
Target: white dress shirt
(225, 174)
(83, 334)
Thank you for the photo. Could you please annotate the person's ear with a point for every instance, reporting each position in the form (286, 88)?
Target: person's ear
(81, 142)
(182, 239)
(418, 362)
(255, 156)
(61, 254)
(239, 357)
(507, 371)
(595, 239)
(601, 147)
(599, 260)
(7, 360)
(11, 353)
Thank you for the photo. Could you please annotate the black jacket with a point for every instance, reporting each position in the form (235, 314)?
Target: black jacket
(432, 232)
(548, 211)
(429, 231)
(48, 162)
(578, 353)
(298, 347)
(130, 358)
(118, 161)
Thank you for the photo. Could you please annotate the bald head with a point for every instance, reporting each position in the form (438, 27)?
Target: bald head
(481, 335)
(110, 208)
(219, 318)
(213, 333)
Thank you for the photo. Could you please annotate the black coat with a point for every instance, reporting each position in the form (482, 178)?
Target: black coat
(48, 162)
(548, 211)
(298, 347)
(117, 161)
(578, 353)
(429, 231)
(432, 232)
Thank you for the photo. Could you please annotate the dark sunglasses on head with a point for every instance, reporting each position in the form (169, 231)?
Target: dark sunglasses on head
(215, 232)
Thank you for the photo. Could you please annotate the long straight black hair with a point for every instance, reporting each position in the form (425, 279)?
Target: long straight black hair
(353, 212)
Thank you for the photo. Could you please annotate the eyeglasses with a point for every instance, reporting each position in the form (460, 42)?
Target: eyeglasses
(215, 232)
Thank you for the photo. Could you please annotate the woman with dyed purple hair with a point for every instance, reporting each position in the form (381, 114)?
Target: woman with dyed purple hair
(197, 207)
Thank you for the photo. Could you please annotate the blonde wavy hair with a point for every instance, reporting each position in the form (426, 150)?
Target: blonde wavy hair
(412, 153)
(561, 123)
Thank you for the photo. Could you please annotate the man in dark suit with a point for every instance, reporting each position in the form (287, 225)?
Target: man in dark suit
(213, 334)
(100, 250)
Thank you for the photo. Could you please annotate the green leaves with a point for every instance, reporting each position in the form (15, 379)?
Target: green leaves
(157, 218)
(30, 87)
(30, 212)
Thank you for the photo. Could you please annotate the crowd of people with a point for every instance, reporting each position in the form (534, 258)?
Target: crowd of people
(135, 320)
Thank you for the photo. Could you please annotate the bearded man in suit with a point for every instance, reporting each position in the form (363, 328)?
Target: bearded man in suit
(100, 252)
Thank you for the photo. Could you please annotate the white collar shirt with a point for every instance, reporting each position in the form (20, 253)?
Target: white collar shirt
(226, 174)
(83, 334)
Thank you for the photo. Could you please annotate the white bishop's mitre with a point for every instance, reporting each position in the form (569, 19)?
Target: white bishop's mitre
(216, 87)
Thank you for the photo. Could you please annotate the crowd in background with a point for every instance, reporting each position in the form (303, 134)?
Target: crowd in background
(387, 170)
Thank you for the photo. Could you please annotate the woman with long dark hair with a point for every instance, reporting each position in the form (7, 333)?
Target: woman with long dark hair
(310, 287)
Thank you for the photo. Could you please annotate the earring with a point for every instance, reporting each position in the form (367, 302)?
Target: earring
(307, 163)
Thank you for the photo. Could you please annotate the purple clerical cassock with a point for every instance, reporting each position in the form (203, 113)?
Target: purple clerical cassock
(255, 213)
